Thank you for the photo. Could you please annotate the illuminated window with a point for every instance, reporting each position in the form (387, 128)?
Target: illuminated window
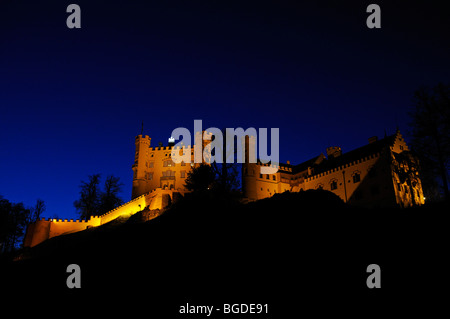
(168, 163)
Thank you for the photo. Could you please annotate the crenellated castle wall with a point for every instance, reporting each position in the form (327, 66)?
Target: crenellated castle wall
(44, 229)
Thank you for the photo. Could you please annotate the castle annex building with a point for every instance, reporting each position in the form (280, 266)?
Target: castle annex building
(382, 173)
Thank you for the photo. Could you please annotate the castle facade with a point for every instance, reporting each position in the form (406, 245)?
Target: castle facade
(382, 173)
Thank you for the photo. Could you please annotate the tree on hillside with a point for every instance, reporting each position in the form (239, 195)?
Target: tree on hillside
(430, 131)
(227, 174)
(88, 203)
(200, 178)
(37, 210)
(13, 222)
(222, 177)
(109, 198)
(94, 201)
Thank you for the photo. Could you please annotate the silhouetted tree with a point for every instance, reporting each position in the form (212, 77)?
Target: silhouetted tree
(37, 210)
(89, 202)
(200, 178)
(109, 198)
(431, 131)
(94, 201)
(13, 221)
(227, 174)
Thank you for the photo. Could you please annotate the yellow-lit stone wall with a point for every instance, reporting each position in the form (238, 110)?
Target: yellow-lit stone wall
(367, 181)
(44, 229)
(153, 167)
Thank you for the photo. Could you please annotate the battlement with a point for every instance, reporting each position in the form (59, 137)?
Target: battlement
(59, 220)
(280, 166)
(341, 167)
(167, 148)
(46, 228)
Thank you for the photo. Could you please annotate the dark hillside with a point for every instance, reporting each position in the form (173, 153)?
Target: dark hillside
(304, 246)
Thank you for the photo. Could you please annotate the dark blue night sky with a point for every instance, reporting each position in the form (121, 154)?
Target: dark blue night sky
(72, 100)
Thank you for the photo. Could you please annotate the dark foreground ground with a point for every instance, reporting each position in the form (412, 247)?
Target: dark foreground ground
(303, 254)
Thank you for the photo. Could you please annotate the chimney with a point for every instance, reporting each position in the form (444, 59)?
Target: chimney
(334, 151)
(373, 139)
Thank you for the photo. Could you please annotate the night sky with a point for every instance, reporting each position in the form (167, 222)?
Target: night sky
(72, 100)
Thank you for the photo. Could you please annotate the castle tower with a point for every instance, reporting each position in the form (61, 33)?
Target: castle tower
(250, 169)
(139, 167)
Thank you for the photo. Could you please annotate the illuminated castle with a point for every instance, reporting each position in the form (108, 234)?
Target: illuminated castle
(382, 173)
(153, 167)
(157, 181)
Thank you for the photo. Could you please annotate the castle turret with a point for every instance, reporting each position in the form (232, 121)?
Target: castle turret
(250, 169)
(139, 167)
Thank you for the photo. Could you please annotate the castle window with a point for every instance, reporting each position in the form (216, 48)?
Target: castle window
(151, 164)
(333, 185)
(260, 175)
(168, 173)
(267, 176)
(168, 163)
(356, 178)
(274, 177)
(183, 174)
(183, 164)
(150, 176)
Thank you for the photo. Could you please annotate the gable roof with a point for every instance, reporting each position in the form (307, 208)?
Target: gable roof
(356, 154)
(323, 164)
